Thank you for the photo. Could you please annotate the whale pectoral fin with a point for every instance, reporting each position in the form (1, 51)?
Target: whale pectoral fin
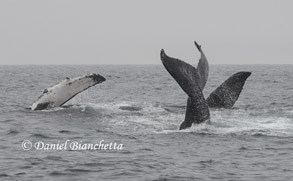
(228, 92)
(186, 76)
(61, 93)
(202, 67)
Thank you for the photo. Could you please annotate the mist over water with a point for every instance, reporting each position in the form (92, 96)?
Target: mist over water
(142, 107)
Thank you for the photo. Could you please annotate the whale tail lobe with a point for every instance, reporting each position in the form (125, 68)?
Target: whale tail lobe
(202, 67)
(228, 92)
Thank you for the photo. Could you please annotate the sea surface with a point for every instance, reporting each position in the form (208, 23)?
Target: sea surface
(140, 108)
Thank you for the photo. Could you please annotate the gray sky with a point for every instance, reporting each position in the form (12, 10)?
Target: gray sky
(134, 32)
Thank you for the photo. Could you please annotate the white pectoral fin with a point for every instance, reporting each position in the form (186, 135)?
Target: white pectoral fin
(61, 93)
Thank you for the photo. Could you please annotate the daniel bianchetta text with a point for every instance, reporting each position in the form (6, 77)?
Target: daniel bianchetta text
(71, 145)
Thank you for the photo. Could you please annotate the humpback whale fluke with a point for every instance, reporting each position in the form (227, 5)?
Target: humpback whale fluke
(202, 67)
(187, 77)
(228, 92)
(59, 94)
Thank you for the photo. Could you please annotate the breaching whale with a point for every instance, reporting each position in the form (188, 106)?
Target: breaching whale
(59, 94)
(187, 77)
(228, 92)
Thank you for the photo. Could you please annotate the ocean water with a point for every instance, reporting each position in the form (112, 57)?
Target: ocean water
(252, 141)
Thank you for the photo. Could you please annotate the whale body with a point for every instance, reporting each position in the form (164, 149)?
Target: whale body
(59, 94)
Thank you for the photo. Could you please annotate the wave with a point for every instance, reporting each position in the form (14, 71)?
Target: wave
(156, 118)
(40, 136)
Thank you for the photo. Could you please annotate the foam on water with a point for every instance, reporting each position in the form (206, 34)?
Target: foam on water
(153, 118)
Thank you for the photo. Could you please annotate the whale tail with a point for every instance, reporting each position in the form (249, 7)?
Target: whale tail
(187, 77)
(202, 67)
(228, 92)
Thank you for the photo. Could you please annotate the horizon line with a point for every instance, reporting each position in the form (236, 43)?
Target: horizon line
(140, 64)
